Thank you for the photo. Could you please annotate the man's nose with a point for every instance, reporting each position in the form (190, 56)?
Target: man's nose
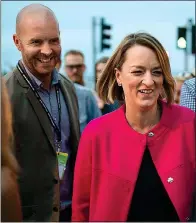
(74, 70)
(46, 49)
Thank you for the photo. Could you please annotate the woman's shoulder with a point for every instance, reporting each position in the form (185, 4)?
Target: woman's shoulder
(179, 113)
(105, 122)
(186, 114)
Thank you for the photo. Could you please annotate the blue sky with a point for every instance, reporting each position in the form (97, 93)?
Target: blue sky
(160, 18)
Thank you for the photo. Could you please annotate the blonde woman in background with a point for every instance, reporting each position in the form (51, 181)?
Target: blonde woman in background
(10, 200)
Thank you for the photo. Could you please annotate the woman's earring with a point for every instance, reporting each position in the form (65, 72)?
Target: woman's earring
(119, 84)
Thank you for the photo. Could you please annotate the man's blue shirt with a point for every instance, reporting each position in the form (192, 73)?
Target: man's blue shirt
(88, 108)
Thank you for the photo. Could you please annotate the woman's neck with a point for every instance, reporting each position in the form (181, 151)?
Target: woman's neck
(143, 121)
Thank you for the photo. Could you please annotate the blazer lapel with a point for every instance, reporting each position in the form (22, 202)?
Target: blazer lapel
(72, 109)
(39, 110)
(67, 99)
(42, 116)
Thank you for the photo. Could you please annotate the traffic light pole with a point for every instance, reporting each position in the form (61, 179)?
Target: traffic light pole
(187, 51)
(104, 36)
(186, 59)
(94, 50)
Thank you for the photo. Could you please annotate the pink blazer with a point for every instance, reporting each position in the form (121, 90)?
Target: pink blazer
(109, 156)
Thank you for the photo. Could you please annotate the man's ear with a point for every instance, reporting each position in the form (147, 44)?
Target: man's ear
(17, 42)
(84, 68)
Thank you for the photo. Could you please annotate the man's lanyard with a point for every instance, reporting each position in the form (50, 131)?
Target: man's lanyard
(56, 129)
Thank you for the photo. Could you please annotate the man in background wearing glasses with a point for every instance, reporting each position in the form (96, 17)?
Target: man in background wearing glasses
(74, 69)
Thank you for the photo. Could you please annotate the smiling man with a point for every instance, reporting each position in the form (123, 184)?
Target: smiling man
(45, 118)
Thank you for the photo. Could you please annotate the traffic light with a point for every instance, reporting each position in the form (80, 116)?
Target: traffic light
(105, 35)
(181, 39)
(193, 40)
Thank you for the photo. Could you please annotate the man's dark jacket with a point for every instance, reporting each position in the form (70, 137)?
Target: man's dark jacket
(34, 147)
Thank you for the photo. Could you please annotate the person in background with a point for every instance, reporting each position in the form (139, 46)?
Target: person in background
(10, 199)
(179, 82)
(188, 94)
(99, 67)
(74, 68)
(105, 108)
(45, 118)
(138, 162)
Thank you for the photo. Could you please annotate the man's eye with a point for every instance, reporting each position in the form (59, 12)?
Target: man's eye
(55, 41)
(36, 42)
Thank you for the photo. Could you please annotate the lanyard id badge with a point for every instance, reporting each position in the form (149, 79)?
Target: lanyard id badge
(62, 161)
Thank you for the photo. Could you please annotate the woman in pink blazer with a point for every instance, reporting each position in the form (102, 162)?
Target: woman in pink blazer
(138, 162)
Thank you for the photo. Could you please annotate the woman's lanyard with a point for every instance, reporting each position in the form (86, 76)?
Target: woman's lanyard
(56, 129)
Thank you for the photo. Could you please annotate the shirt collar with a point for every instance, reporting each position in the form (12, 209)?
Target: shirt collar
(37, 83)
(55, 77)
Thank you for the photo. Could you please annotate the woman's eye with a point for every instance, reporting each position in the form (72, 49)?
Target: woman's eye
(137, 72)
(157, 73)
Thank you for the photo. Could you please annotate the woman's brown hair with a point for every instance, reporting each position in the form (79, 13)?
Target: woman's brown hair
(107, 86)
(7, 156)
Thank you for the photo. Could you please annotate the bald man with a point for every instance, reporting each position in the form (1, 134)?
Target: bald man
(45, 118)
